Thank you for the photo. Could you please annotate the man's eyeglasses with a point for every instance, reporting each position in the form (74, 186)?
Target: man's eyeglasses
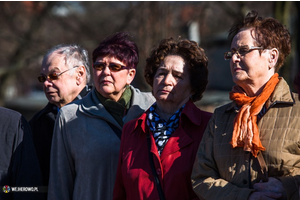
(52, 76)
(241, 51)
(114, 67)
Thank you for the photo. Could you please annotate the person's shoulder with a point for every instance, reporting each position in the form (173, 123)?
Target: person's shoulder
(296, 105)
(231, 106)
(205, 113)
(37, 115)
(132, 129)
(296, 97)
(49, 108)
(9, 114)
(146, 96)
(136, 122)
(132, 122)
(138, 91)
(10, 121)
(71, 107)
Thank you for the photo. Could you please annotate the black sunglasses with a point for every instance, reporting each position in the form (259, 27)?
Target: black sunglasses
(114, 67)
(52, 76)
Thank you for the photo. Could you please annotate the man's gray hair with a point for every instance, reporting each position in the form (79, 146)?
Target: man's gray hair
(74, 54)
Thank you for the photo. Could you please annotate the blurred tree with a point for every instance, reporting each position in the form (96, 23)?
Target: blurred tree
(29, 28)
(283, 12)
(18, 28)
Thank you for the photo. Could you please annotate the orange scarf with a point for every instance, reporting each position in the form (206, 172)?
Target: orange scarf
(245, 130)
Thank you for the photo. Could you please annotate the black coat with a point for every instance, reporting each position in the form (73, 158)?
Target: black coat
(42, 125)
(18, 161)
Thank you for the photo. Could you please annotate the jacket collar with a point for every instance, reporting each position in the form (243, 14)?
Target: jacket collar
(91, 105)
(84, 92)
(51, 109)
(281, 95)
(190, 111)
(139, 103)
(180, 139)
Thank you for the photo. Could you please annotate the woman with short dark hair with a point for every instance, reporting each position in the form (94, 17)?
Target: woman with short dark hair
(163, 142)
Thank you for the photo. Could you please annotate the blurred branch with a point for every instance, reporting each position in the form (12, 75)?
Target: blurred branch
(8, 18)
(16, 60)
(34, 26)
(233, 12)
(88, 30)
(128, 16)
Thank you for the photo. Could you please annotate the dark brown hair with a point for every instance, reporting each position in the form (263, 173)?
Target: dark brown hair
(268, 33)
(192, 54)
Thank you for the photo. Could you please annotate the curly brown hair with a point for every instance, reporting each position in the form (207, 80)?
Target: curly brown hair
(193, 55)
(268, 33)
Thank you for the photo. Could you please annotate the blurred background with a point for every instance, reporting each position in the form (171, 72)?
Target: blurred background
(28, 29)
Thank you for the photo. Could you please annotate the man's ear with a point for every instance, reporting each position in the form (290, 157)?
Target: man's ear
(130, 76)
(80, 75)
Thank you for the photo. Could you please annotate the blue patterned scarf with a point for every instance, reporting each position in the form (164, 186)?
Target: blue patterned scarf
(161, 129)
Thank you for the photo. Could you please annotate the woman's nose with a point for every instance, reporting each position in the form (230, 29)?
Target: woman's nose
(236, 57)
(106, 70)
(169, 79)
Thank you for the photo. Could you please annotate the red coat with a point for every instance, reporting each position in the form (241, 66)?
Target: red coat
(135, 180)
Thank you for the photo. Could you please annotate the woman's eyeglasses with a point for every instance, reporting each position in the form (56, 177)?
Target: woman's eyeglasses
(52, 76)
(241, 51)
(114, 67)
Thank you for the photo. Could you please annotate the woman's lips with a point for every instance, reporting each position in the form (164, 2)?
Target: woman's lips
(237, 69)
(165, 91)
(105, 82)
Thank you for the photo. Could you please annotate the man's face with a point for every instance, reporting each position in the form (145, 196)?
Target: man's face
(63, 90)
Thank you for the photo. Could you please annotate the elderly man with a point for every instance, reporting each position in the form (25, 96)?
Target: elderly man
(64, 75)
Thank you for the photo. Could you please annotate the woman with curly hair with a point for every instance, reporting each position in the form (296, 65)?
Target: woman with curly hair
(250, 149)
(158, 149)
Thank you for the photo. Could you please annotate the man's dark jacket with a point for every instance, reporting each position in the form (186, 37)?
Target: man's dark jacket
(19, 166)
(42, 125)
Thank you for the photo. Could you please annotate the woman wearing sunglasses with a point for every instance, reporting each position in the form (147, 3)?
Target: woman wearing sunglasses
(86, 138)
(250, 149)
(158, 149)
